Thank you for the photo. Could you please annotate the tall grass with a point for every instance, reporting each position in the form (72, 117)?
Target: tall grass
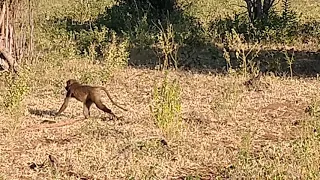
(167, 47)
(17, 87)
(166, 105)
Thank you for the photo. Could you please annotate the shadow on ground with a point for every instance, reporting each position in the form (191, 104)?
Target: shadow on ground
(39, 112)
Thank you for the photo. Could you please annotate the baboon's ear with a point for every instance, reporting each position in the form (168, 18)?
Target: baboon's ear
(71, 81)
(68, 84)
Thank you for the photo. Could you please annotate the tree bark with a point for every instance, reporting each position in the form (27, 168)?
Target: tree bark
(11, 61)
(3, 12)
(266, 6)
(258, 10)
(250, 10)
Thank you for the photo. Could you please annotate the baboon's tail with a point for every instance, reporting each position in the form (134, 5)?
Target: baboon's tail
(105, 90)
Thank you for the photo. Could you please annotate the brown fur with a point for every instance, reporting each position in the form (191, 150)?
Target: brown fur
(87, 95)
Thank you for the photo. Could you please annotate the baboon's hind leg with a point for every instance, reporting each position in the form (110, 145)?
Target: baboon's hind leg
(101, 106)
(86, 108)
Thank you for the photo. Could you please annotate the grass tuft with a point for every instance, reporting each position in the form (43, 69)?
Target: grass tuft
(166, 105)
(17, 89)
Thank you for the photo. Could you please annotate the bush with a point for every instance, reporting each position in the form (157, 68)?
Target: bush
(17, 89)
(166, 106)
(115, 53)
(278, 27)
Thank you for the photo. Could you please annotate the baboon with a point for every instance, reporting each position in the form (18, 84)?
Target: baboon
(87, 95)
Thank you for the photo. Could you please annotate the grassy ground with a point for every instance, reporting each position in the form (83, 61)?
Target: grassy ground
(228, 130)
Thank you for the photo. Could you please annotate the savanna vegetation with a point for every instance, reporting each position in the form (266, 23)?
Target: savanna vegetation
(217, 92)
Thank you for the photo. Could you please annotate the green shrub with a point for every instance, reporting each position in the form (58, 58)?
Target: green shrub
(54, 43)
(92, 41)
(166, 105)
(314, 108)
(137, 19)
(111, 55)
(280, 26)
(166, 47)
(89, 76)
(245, 53)
(115, 53)
(17, 89)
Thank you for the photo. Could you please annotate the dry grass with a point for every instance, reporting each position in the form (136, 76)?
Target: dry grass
(229, 131)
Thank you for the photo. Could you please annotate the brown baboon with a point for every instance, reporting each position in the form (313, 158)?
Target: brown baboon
(87, 95)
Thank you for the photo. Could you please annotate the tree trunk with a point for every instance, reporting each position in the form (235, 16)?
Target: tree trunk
(266, 6)
(258, 10)
(250, 10)
(8, 57)
(15, 27)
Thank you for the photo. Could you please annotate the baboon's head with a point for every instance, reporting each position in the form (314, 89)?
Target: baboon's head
(71, 82)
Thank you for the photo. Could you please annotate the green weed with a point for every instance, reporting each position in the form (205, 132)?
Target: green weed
(245, 52)
(166, 105)
(116, 54)
(314, 108)
(166, 47)
(290, 61)
(17, 89)
(90, 77)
